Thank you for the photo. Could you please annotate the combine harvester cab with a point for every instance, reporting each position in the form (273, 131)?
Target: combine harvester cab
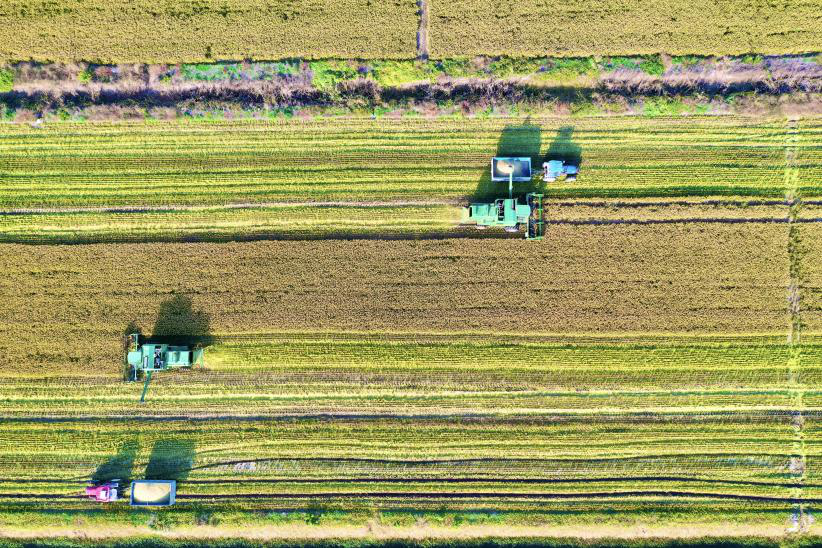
(149, 357)
(153, 492)
(508, 213)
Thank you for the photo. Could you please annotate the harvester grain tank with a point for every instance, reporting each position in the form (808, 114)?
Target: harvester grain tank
(146, 358)
(509, 213)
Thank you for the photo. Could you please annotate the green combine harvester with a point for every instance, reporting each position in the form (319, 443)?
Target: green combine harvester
(146, 358)
(509, 213)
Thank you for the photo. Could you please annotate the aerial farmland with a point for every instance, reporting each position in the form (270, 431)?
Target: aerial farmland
(462, 273)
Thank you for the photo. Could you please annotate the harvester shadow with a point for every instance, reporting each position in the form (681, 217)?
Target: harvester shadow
(564, 148)
(171, 459)
(178, 323)
(120, 466)
(515, 140)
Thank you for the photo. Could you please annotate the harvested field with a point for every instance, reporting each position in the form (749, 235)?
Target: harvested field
(534, 28)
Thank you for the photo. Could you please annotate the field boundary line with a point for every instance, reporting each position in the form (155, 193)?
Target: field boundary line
(423, 43)
(797, 466)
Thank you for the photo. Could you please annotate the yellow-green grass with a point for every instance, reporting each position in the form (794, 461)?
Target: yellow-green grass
(173, 31)
(207, 163)
(534, 28)
(281, 221)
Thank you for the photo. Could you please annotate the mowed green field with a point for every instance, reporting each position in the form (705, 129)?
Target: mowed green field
(173, 31)
(656, 360)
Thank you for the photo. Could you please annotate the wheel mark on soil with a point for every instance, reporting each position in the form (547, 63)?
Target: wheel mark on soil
(800, 519)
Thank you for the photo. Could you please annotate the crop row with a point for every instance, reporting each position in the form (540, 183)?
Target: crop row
(379, 220)
(289, 374)
(530, 447)
(69, 306)
(218, 224)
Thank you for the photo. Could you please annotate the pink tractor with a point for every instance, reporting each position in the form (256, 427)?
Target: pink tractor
(105, 492)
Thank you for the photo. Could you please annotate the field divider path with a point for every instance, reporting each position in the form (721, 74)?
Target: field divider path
(798, 464)
(423, 47)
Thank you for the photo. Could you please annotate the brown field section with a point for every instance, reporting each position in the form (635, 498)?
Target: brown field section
(65, 306)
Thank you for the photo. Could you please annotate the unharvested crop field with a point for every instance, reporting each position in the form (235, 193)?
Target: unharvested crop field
(656, 358)
(171, 31)
(535, 27)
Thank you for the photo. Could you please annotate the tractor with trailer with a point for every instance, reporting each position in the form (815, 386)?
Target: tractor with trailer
(145, 358)
(509, 213)
(143, 492)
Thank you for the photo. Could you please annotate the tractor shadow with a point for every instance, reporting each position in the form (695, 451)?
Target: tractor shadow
(178, 323)
(120, 466)
(564, 148)
(515, 140)
(171, 459)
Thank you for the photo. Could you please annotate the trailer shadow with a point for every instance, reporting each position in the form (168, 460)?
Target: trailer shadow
(171, 459)
(178, 323)
(120, 466)
(564, 148)
(515, 140)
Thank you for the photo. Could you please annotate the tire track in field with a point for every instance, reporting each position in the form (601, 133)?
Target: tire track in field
(798, 460)
(498, 495)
